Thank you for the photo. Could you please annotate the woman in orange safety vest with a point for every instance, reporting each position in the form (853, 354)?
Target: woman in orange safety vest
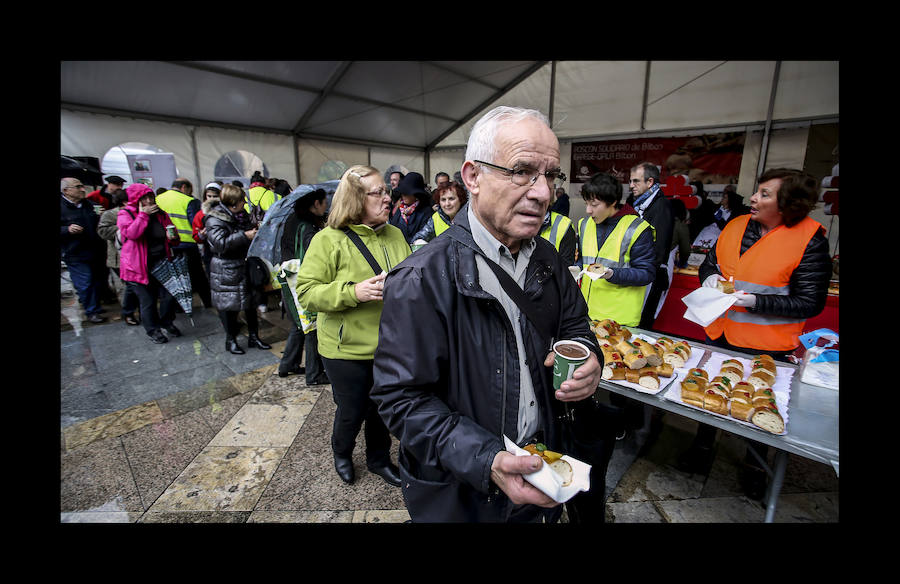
(778, 258)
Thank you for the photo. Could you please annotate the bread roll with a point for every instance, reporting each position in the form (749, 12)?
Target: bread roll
(768, 366)
(564, 470)
(735, 364)
(665, 370)
(614, 370)
(666, 342)
(768, 419)
(732, 374)
(676, 358)
(634, 358)
(684, 346)
(648, 379)
(764, 397)
(719, 388)
(741, 408)
(691, 392)
(715, 403)
(649, 352)
(633, 376)
(761, 379)
(725, 286)
(699, 372)
(744, 390)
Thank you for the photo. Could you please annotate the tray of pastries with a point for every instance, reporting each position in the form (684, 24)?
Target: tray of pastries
(754, 392)
(639, 361)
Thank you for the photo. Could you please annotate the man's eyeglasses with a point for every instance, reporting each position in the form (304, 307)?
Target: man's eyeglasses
(527, 176)
(382, 191)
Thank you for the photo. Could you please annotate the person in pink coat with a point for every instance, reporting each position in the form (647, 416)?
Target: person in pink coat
(145, 241)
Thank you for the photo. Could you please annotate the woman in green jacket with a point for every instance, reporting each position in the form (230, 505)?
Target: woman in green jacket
(338, 282)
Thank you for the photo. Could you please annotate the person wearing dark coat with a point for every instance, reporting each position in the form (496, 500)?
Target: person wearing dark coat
(458, 366)
(81, 247)
(299, 229)
(414, 208)
(561, 205)
(654, 208)
(229, 233)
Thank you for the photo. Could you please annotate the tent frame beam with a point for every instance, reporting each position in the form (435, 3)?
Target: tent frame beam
(490, 99)
(307, 88)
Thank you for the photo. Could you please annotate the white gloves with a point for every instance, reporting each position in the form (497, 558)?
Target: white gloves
(744, 300)
(712, 280)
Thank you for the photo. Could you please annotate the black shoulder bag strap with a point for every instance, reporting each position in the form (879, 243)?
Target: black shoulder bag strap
(354, 237)
(545, 321)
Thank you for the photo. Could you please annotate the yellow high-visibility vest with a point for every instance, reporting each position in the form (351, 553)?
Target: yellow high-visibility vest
(175, 204)
(440, 225)
(555, 232)
(622, 304)
(262, 198)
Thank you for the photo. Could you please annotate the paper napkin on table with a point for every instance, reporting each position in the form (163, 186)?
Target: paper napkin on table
(704, 305)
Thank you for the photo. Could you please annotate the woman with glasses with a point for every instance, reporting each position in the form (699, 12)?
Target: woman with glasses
(345, 289)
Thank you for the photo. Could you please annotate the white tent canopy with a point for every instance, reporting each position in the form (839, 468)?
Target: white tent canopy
(306, 119)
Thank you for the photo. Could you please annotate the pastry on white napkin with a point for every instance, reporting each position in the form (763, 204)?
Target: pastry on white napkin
(549, 482)
(592, 274)
(704, 305)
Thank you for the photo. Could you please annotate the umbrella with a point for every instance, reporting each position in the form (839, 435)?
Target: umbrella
(175, 278)
(267, 243)
(84, 168)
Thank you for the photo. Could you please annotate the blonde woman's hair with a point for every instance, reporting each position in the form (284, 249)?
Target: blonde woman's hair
(348, 203)
(231, 195)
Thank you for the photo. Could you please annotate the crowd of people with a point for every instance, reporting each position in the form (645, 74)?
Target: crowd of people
(448, 347)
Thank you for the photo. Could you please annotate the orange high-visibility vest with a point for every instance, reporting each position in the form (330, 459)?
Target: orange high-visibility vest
(765, 268)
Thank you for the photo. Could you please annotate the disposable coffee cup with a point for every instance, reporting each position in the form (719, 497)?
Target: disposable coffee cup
(170, 229)
(576, 272)
(569, 356)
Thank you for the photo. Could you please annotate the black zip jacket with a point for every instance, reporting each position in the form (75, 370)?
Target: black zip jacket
(86, 246)
(447, 372)
(808, 283)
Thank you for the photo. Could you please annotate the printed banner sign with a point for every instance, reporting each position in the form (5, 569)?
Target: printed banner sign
(709, 158)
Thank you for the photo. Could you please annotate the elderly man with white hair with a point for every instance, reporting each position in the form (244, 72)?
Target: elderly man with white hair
(81, 247)
(459, 365)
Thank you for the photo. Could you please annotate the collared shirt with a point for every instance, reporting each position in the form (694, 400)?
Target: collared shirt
(641, 203)
(529, 416)
(77, 205)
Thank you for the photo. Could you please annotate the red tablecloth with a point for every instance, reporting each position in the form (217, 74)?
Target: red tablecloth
(671, 318)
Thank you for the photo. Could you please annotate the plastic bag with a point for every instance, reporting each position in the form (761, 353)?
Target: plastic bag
(821, 361)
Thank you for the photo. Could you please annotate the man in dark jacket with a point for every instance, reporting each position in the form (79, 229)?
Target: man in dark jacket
(654, 208)
(81, 247)
(459, 365)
